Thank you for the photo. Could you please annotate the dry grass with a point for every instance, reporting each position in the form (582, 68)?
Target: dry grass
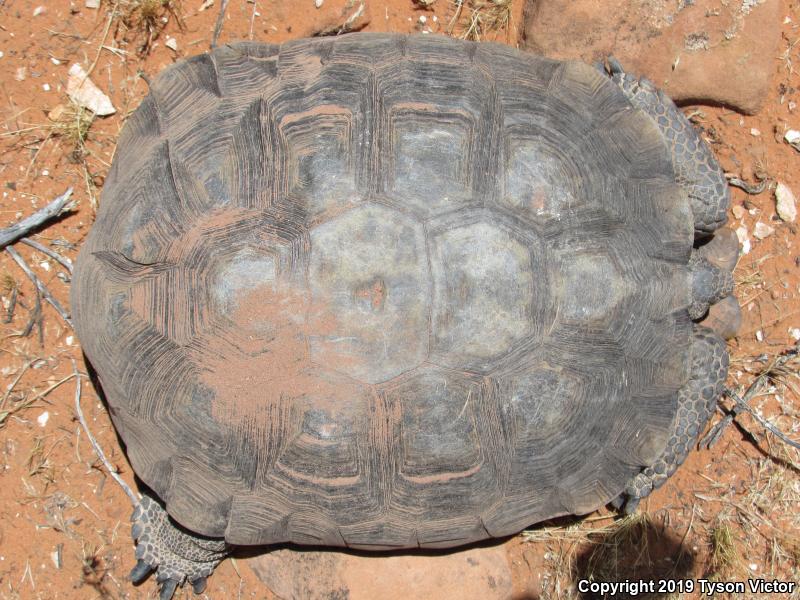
(71, 123)
(725, 558)
(478, 19)
(141, 22)
(633, 547)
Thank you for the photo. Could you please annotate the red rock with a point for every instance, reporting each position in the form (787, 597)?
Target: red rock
(696, 51)
(474, 574)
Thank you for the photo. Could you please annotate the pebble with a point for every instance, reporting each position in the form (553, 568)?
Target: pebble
(39, 10)
(793, 137)
(423, 19)
(795, 333)
(760, 335)
(755, 132)
(785, 203)
(43, 418)
(762, 230)
(85, 93)
(738, 211)
(744, 239)
(21, 73)
(92, 4)
(318, 3)
(46, 87)
(172, 44)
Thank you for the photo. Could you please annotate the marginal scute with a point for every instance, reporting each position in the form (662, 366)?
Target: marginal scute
(386, 292)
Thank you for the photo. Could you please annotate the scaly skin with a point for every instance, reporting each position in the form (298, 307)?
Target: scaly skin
(696, 403)
(176, 554)
(696, 169)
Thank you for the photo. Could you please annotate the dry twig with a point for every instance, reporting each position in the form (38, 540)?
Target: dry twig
(741, 403)
(22, 228)
(62, 260)
(97, 449)
(220, 21)
(40, 286)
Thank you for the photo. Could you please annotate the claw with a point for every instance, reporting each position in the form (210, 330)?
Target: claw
(199, 585)
(646, 83)
(168, 589)
(615, 66)
(631, 505)
(140, 571)
(136, 530)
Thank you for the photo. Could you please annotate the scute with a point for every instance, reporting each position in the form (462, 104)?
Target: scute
(383, 292)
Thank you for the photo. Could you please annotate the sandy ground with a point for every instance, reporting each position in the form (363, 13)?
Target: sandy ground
(731, 512)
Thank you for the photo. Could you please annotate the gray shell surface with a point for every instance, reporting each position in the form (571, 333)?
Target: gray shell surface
(382, 291)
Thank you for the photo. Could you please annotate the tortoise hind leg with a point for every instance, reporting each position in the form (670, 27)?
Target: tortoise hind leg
(696, 403)
(175, 553)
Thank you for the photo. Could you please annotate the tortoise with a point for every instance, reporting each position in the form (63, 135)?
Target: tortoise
(387, 292)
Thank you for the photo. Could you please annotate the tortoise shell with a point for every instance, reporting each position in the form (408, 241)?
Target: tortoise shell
(385, 292)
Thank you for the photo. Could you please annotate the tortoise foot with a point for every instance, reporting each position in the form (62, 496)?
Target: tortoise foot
(696, 403)
(174, 553)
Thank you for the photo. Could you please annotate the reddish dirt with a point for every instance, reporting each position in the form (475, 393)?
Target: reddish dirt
(64, 529)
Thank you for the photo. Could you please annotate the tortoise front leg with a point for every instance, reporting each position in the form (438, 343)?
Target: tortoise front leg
(696, 403)
(176, 554)
(696, 169)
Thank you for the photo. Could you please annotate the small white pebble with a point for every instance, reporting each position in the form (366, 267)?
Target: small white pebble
(172, 44)
(46, 87)
(69, 340)
(753, 566)
(1, 54)
(762, 230)
(45, 265)
(55, 61)
(435, 19)
(741, 233)
(45, 172)
(21, 73)
(318, 3)
(738, 211)
(754, 132)
(39, 10)
(43, 418)
(760, 335)
(795, 333)
(423, 19)
(785, 203)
